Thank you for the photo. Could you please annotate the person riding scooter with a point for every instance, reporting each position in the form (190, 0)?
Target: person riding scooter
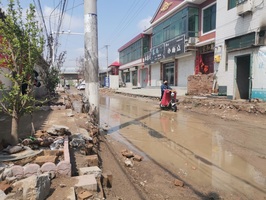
(164, 86)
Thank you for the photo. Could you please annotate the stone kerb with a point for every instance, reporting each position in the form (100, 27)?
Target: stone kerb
(62, 168)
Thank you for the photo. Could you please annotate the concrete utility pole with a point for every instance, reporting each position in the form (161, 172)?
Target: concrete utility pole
(91, 58)
(106, 46)
(107, 73)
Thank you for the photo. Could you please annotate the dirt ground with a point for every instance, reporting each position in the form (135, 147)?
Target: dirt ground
(146, 179)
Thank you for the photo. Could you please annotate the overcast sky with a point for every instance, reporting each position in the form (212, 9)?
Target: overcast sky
(118, 22)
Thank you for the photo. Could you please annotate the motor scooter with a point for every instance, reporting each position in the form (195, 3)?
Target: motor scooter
(169, 100)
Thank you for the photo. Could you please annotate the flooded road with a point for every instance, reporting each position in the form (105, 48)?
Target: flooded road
(209, 154)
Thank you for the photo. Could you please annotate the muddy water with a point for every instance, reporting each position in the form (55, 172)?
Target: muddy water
(202, 151)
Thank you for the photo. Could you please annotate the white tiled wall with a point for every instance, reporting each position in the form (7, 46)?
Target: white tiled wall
(155, 74)
(186, 67)
(230, 25)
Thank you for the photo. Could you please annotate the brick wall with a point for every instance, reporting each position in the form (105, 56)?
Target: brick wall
(200, 84)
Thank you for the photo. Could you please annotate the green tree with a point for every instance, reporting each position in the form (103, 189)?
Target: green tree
(21, 45)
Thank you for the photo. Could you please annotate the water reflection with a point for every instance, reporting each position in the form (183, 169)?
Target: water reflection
(189, 146)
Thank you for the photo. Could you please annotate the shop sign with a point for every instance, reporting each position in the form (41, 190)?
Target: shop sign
(175, 46)
(157, 53)
(207, 48)
(147, 58)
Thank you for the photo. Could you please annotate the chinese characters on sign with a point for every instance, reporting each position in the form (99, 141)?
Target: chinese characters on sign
(175, 47)
(157, 53)
(147, 58)
(165, 50)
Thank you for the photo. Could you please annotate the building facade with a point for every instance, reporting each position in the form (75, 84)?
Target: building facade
(132, 71)
(240, 46)
(188, 37)
(179, 43)
(183, 35)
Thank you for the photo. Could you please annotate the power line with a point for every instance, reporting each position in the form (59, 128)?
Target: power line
(124, 19)
(118, 33)
(71, 15)
(43, 21)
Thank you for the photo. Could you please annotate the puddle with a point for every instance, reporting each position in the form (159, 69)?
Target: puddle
(197, 148)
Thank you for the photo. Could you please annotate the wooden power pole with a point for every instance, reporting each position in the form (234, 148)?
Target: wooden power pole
(91, 58)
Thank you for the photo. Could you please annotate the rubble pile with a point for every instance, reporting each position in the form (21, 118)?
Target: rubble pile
(45, 156)
(200, 84)
(254, 107)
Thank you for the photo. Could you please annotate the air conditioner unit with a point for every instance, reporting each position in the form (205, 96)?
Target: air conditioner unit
(244, 6)
(192, 41)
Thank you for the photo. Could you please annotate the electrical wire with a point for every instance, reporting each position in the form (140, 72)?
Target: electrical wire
(42, 17)
(122, 28)
(71, 15)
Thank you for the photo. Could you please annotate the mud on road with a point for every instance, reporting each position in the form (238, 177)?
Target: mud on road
(156, 180)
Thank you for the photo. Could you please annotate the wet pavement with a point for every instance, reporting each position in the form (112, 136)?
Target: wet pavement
(210, 154)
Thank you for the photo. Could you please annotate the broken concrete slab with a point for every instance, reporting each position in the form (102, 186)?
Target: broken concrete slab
(92, 160)
(86, 182)
(95, 170)
(58, 130)
(33, 187)
(107, 179)
(2, 194)
(40, 160)
(71, 195)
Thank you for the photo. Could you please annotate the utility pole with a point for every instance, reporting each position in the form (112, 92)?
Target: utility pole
(106, 46)
(107, 73)
(91, 58)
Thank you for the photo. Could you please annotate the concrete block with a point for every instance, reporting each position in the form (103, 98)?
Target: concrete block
(43, 186)
(50, 168)
(96, 171)
(64, 168)
(34, 187)
(87, 182)
(71, 194)
(31, 169)
(2, 195)
(84, 194)
(107, 179)
(17, 171)
(92, 160)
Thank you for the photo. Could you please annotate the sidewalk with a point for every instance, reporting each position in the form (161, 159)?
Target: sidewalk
(150, 91)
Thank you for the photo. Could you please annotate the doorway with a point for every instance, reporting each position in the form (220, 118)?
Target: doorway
(144, 77)
(243, 77)
(168, 73)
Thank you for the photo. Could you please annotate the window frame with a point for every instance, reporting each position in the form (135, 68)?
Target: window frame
(230, 2)
(202, 19)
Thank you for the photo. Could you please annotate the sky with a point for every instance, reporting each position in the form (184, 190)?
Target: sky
(119, 21)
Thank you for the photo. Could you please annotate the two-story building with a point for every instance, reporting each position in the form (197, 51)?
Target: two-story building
(179, 43)
(240, 47)
(187, 37)
(183, 35)
(132, 70)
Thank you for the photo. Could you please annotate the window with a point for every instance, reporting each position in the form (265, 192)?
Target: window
(209, 18)
(126, 78)
(193, 22)
(231, 4)
(172, 27)
(134, 51)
